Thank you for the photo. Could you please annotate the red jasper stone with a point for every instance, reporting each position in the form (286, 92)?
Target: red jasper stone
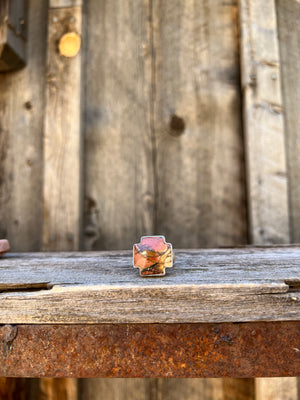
(4, 246)
(152, 255)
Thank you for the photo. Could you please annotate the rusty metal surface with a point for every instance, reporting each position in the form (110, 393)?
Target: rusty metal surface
(151, 350)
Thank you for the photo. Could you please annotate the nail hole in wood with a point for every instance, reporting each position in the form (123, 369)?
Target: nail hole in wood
(177, 125)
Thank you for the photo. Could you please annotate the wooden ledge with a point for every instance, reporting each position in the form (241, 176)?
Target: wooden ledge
(92, 315)
(205, 286)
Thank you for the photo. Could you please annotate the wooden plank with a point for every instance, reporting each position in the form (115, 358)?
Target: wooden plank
(62, 136)
(263, 123)
(21, 124)
(225, 286)
(238, 389)
(119, 171)
(277, 388)
(65, 3)
(198, 140)
(288, 14)
(265, 140)
(58, 388)
(112, 389)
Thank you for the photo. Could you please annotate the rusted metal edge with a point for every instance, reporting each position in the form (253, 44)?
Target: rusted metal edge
(251, 349)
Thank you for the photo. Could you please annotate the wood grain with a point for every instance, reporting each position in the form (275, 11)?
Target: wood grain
(205, 286)
(21, 125)
(200, 169)
(119, 170)
(263, 123)
(288, 14)
(62, 137)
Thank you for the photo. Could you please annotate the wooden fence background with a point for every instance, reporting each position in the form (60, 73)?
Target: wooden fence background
(176, 117)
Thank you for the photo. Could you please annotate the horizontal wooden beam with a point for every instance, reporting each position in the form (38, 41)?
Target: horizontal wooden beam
(151, 350)
(204, 286)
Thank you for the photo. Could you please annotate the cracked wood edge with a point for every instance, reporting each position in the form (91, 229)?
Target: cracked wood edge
(206, 286)
(170, 304)
(263, 123)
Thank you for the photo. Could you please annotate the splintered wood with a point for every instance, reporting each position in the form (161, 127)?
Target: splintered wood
(230, 285)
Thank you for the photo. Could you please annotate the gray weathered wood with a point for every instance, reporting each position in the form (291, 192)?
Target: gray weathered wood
(119, 171)
(263, 123)
(21, 126)
(199, 166)
(62, 137)
(288, 15)
(65, 3)
(205, 286)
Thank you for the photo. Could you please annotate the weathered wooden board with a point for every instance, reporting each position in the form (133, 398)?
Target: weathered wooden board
(197, 124)
(288, 15)
(21, 125)
(119, 170)
(62, 136)
(204, 286)
(150, 389)
(263, 123)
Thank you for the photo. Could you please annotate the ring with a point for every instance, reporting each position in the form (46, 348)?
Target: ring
(152, 255)
(4, 246)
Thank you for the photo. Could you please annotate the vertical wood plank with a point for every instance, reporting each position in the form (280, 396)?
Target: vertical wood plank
(21, 141)
(62, 136)
(198, 134)
(58, 388)
(118, 158)
(238, 389)
(191, 389)
(276, 389)
(120, 388)
(263, 123)
(265, 146)
(288, 14)
(62, 152)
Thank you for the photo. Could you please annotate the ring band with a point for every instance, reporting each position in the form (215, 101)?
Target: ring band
(152, 255)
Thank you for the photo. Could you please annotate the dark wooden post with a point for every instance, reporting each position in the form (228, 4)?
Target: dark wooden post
(12, 34)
